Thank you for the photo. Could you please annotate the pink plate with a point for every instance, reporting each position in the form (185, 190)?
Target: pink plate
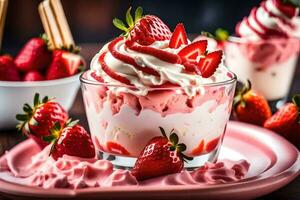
(274, 163)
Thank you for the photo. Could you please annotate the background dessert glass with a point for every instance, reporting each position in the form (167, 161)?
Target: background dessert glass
(122, 124)
(268, 64)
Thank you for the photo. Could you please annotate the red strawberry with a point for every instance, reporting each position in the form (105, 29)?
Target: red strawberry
(41, 118)
(178, 37)
(251, 107)
(285, 118)
(191, 52)
(288, 7)
(143, 29)
(33, 56)
(208, 65)
(72, 140)
(116, 148)
(64, 64)
(211, 145)
(161, 156)
(8, 69)
(33, 76)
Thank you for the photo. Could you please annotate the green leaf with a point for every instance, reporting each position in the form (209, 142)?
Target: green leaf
(45, 99)
(295, 3)
(186, 157)
(129, 19)
(49, 138)
(22, 117)
(221, 34)
(36, 100)
(72, 123)
(120, 25)
(296, 100)
(181, 147)
(162, 132)
(27, 108)
(174, 138)
(138, 14)
(207, 34)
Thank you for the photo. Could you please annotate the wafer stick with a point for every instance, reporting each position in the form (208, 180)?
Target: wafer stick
(55, 24)
(62, 22)
(3, 10)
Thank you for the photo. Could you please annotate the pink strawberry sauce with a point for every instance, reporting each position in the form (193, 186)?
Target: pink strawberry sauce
(36, 168)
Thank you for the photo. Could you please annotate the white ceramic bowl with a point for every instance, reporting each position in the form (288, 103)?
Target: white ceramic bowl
(14, 94)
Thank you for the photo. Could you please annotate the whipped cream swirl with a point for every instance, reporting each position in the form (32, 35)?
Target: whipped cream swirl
(272, 18)
(147, 67)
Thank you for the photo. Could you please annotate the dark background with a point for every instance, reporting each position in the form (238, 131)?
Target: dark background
(91, 20)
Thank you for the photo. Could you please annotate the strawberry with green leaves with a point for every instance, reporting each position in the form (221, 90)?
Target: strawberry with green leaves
(70, 139)
(144, 30)
(286, 120)
(250, 106)
(36, 121)
(161, 156)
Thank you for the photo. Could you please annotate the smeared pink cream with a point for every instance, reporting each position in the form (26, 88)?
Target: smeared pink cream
(36, 168)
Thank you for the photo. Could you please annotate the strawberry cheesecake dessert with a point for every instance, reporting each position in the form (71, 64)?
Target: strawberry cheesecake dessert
(150, 77)
(266, 48)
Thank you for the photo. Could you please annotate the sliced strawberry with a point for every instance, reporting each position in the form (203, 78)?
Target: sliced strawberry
(116, 148)
(211, 145)
(111, 73)
(208, 65)
(191, 52)
(73, 62)
(178, 37)
(199, 149)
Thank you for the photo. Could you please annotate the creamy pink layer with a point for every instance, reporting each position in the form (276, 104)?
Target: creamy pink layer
(268, 52)
(163, 101)
(36, 168)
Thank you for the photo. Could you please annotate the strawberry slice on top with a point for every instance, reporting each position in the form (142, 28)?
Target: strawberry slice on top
(191, 52)
(208, 65)
(178, 37)
(144, 30)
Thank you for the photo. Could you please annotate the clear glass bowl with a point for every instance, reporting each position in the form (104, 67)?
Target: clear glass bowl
(122, 124)
(269, 64)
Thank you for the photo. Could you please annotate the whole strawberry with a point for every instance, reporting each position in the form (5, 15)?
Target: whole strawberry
(286, 119)
(64, 64)
(251, 107)
(8, 69)
(40, 118)
(33, 76)
(33, 56)
(161, 156)
(72, 140)
(144, 30)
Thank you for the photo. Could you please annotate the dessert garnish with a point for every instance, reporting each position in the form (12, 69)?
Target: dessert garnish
(250, 106)
(161, 156)
(152, 56)
(219, 37)
(286, 120)
(37, 120)
(70, 139)
(143, 29)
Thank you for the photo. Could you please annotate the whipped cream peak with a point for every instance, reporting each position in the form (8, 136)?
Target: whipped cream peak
(273, 18)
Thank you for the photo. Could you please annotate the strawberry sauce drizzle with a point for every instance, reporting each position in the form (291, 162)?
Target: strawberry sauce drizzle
(127, 59)
(160, 54)
(111, 73)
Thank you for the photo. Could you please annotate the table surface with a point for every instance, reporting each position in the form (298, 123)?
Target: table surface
(9, 138)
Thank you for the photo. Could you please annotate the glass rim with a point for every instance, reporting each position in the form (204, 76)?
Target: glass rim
(221, 83)
(240, 40)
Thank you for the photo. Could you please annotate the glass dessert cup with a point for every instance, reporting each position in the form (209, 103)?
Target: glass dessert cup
(121, 124)
(268, 64)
